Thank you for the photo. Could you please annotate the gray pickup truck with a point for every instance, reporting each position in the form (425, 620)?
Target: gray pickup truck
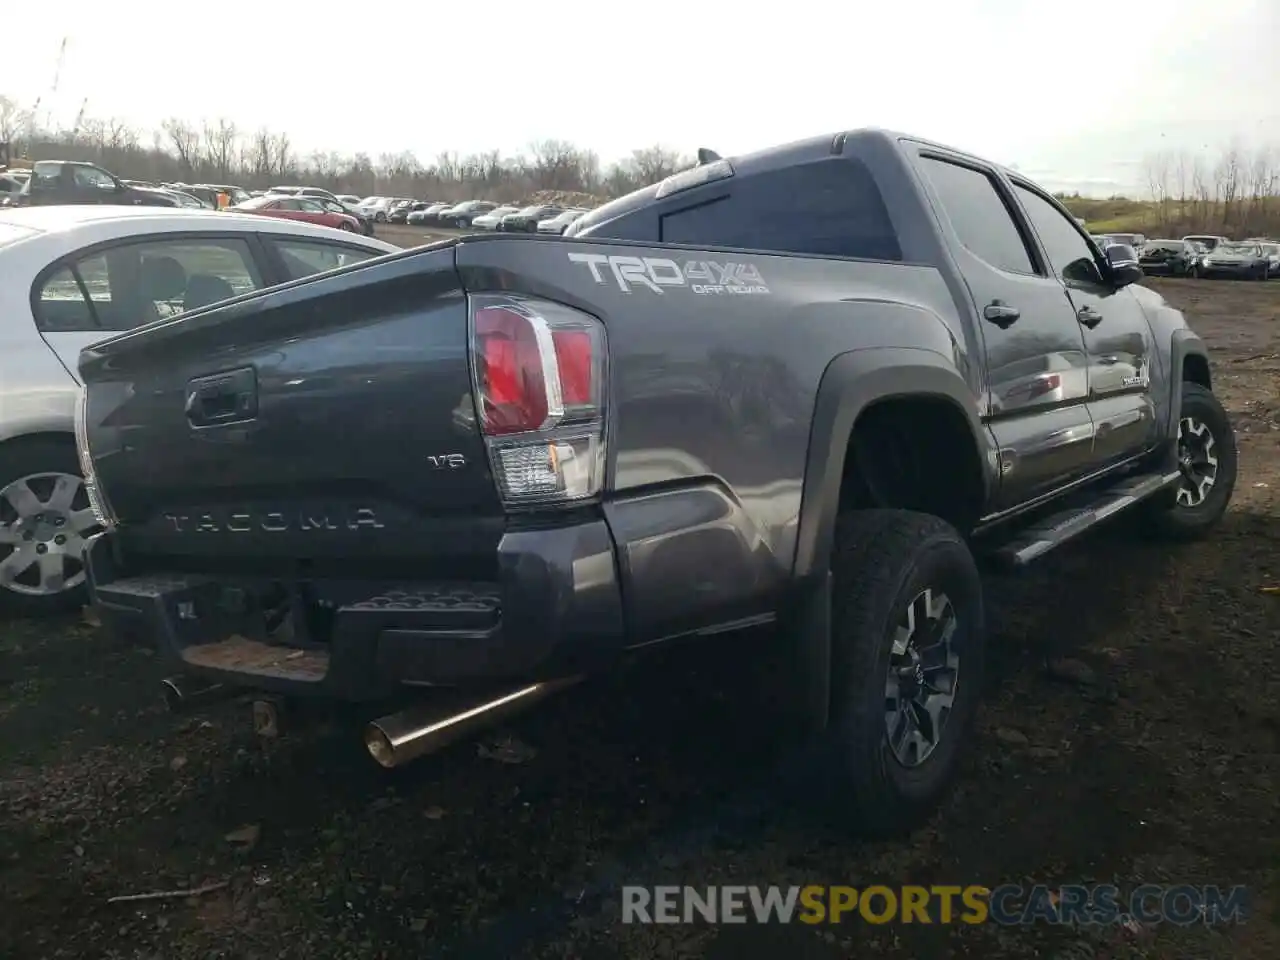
(812, 387)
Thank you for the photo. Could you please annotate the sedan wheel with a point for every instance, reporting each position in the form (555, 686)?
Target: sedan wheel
(45, 519)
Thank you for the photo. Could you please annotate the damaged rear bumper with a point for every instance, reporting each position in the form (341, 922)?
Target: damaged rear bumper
(553, 610)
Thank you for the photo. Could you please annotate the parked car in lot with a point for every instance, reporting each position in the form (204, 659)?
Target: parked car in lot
(336, 206)
(558, 224)
(1208, 241)
(1172, 258)
(10, 186)
(186, 200)
(398, 212)
(73, 275)
(526, 219)
(753, 394)
(306, 209)
(375, 208)
(430, 215)
(1134, 240)
(492, 219)
(73, 182)
(1271, 250)
(461, 215)
(1237, 260)
(401, 213)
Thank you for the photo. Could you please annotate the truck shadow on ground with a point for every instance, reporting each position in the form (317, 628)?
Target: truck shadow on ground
(665, 772)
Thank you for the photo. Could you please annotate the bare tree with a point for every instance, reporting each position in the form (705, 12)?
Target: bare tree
(282, 158)
(653, 164)
(221, 140)
(186, 143)
(14, 121)
(261, 154)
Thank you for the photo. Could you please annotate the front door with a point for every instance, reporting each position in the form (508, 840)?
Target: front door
(1117, 337)
(1037, 381)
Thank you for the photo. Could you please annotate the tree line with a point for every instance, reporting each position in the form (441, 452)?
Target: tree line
(219, 151)
(1236, 194)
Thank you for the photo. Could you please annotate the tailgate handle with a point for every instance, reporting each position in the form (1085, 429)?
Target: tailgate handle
(227, 397)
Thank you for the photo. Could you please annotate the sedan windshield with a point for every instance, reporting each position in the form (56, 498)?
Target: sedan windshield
(1238, 249)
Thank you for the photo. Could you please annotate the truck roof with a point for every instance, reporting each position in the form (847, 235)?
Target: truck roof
(782, 155)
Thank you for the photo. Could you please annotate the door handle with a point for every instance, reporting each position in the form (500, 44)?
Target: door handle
(1001, 314)
(1089, 317)
(226, 397)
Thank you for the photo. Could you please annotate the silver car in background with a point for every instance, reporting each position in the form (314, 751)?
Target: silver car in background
(73, 275)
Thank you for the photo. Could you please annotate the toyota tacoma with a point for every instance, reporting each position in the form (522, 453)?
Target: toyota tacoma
(813, 387)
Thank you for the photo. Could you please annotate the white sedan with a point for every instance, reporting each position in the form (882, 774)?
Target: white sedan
(72, 276)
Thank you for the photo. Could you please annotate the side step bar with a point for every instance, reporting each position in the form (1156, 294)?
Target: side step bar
(1035, 541)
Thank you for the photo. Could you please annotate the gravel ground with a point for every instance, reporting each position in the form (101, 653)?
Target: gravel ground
(1158, 762)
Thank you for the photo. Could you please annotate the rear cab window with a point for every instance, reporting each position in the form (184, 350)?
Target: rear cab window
(822, 208)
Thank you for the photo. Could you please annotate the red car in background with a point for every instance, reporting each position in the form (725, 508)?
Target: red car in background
(307, 209)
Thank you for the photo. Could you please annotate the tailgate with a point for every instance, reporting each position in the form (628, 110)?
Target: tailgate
(325, 418)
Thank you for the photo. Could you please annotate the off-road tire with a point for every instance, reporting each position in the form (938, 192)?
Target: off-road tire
(1163, 516)
(882, 560)
(20, 459)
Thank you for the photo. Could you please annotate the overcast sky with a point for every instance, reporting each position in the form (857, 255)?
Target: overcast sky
(1073, 93)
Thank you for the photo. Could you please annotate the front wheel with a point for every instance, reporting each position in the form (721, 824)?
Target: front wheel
(908, 638)
(347, 227)
(1207, 464)
(379, 218)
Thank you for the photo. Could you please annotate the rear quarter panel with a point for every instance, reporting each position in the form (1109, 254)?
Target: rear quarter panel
(37, 393)
(719, 388)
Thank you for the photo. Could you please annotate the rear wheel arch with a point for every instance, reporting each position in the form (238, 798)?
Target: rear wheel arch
(865, 394)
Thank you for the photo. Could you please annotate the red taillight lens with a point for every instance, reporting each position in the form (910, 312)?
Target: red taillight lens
(574, 358)
(512, 379)
(539, 382)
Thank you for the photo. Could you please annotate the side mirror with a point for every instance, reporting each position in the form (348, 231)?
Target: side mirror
(1123, 262)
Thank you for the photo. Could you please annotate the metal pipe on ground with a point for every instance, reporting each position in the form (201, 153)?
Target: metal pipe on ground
(183, 693)
(396, 739)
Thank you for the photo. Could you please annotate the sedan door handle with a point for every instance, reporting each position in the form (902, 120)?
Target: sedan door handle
(1089, 317)
(1001, 314)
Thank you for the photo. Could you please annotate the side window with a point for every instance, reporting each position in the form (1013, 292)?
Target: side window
(286, 205)
(302, 258)
(827, 208)
(1069, 253)
(61, 305)
(93, 178)
(978, 215)
(310, 206)
(137, 283)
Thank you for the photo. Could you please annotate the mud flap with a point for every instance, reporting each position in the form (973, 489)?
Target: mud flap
(808, 629)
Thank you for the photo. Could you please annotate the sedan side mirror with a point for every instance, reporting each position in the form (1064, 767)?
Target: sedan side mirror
(1123, 262)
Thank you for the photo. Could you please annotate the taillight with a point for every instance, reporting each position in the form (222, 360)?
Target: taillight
(539, 370)
(98, 502)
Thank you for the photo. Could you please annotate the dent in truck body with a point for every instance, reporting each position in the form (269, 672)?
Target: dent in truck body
(712, 402)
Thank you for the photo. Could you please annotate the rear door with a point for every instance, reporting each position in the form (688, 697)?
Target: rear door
(1117, 337)
(1037, 384)
(83, 298)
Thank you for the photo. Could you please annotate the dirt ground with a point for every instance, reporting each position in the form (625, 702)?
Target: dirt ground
(1163, 766)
